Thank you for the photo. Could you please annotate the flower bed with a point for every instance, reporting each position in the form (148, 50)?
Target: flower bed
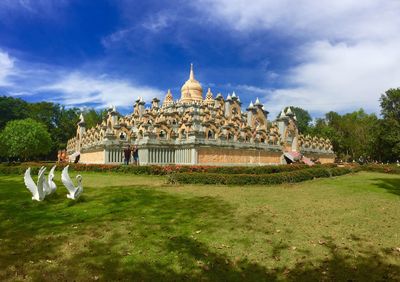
(158, 170)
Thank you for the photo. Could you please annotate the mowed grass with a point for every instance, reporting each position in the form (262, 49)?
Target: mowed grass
(135, 228)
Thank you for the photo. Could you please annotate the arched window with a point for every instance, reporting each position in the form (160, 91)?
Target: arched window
(162, 134)
(210, 134)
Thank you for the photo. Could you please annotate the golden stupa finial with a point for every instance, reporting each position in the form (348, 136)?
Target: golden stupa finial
(191, 76)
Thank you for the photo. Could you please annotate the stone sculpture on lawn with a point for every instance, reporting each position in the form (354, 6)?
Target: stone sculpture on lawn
(37, 191)
(74, 192)
(49, 186)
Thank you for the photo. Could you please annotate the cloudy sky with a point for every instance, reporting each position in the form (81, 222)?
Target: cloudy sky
(319, 55)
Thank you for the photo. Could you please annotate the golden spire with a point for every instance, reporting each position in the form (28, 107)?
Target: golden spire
(191, 76)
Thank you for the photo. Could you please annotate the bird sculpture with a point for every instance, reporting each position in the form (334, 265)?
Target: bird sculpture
(74, 192)
(49, 186)
(37, 191)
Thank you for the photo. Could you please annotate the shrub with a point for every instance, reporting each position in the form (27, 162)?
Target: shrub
(249, 179)
(18, 168)
(388, 168)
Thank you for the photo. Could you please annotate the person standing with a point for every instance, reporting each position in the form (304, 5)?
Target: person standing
(136, 155)
(127, 154)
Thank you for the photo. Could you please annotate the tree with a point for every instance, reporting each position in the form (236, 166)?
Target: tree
(390, 104)
(25, 139)
(352, 135)
(12, 108)
(93, 117)
(389, 129)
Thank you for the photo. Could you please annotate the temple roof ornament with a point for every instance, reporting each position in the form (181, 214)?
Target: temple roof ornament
(282, 114)
(169, 99)
(257, 103)
(209, 97)
(193, 88)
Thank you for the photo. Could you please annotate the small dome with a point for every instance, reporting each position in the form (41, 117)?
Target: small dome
(192, 87)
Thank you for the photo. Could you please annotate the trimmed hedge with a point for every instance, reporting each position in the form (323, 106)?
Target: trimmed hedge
(159, 170)
(388, 168)
(249, 179)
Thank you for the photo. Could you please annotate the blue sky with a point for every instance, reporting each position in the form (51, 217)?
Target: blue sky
(314, 54)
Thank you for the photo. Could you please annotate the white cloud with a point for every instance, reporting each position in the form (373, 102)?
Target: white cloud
(79, 89)
(341, 77)
(348, 19)
(35, 7)
(349, 55)
(158, 22)
(6, 68)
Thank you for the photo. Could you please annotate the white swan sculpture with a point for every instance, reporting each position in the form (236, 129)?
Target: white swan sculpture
(49, 186)
(74, 192)
(37, 191)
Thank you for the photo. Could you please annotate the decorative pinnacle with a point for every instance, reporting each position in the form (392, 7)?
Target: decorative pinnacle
(233, 94)
(251, 104)
(191, 76)
(257, 102)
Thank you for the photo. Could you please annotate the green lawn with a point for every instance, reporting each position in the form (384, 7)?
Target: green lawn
(140, 228)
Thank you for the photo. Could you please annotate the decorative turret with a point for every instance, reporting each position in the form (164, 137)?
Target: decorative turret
(282, 114)
(81, 121)
(289, 112)
(191, 91)
(113, 115)
(251, 106)
(250, 109)
(209, 98)
(81, 130)
(154, 103)
(169, 99)
(219, 97)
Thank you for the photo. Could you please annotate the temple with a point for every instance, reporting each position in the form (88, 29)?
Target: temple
(197, 130)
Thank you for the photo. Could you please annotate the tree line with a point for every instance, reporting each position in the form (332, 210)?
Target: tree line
(31, 131)
(358, 135)
(38, 130)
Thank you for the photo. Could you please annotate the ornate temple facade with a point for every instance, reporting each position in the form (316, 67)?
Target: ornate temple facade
(198, 130)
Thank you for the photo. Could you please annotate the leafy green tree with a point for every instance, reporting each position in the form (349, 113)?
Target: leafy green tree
(65, 120)
(12, 108)
(352, 135)
(25, 139)
(389, 130)
(93, 117)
